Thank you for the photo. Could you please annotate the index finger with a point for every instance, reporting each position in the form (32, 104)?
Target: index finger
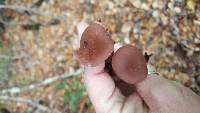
(101, 88)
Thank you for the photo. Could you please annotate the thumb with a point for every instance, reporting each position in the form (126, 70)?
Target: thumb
(164, 96)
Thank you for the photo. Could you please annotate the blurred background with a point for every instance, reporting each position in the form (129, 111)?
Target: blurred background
(38, 73)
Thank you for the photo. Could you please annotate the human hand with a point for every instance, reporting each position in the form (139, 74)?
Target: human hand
(154, 95)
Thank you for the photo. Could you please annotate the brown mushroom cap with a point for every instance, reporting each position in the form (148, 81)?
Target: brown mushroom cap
(129, 64)
(96, 46)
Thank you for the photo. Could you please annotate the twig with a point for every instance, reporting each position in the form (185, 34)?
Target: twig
(24, 9)
(38, 3)
(21, 8)
(14, 90)
(82, 104)
(197, 22)
(28, 102)
(5, 56)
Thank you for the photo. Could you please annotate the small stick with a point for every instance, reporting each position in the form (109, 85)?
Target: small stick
(28, 102)
(30, 87)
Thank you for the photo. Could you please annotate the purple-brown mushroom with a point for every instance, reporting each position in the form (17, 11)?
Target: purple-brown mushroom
(129, 64)
(125, 88)
(96, 46)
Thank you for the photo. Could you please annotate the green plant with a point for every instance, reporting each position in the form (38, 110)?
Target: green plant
(6, 56)
(74, 91)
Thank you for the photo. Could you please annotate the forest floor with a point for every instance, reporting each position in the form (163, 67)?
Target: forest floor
(38, 39)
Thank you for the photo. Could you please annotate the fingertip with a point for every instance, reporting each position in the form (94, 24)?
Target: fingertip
(81, 27)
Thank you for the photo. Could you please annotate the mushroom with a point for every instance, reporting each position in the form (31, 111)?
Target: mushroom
(129, 64)
(96, 46)
(125, 88)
